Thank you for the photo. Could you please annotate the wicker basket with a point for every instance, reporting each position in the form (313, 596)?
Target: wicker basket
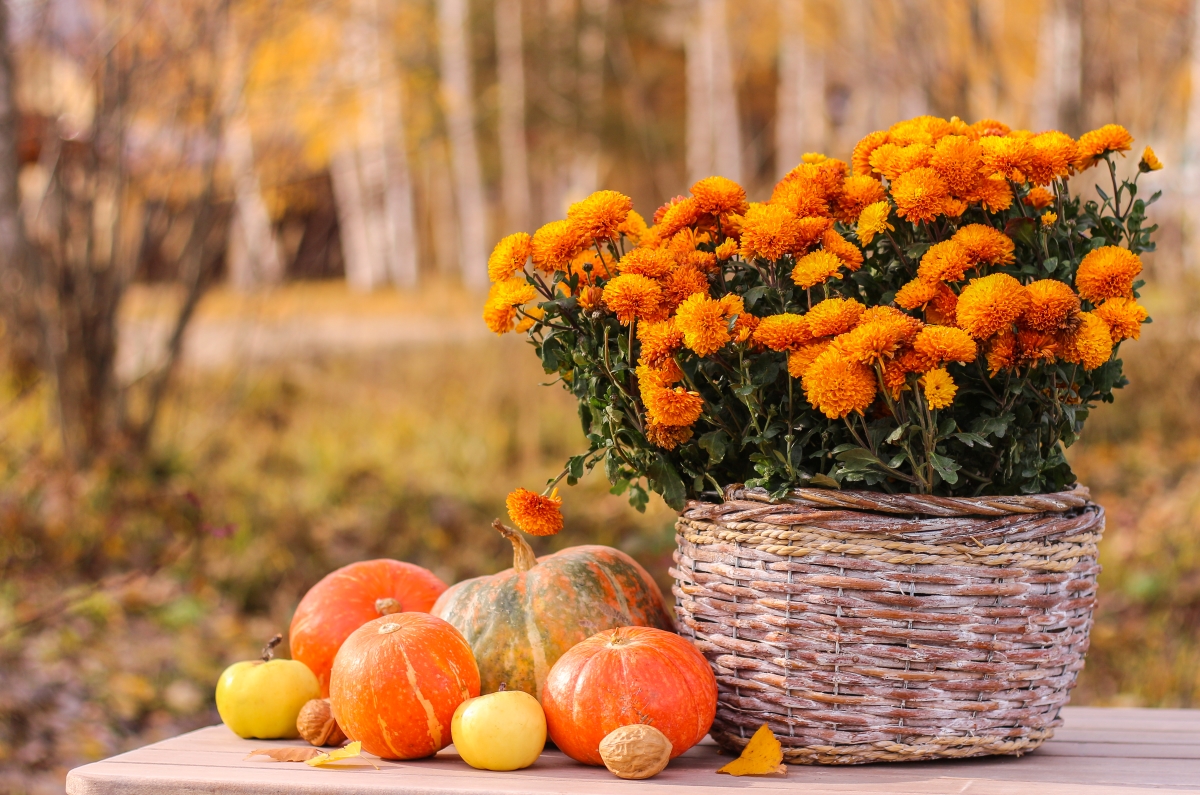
(871, 627)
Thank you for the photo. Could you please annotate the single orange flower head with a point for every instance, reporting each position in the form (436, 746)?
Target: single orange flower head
(534, 513)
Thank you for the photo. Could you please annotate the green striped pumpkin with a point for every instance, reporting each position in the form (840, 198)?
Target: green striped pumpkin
(520, 621)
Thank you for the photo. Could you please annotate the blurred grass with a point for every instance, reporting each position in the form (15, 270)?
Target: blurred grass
(124, 592)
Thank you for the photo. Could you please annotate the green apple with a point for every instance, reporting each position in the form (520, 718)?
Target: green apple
(262, 698)
(499, 731)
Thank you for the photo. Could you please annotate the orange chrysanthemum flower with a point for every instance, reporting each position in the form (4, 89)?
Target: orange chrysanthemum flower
(873, 220)
(1107, 272)
(991, 304)
(1149, 161)
(659, 341)
(509, 255)
(919, 194)
(921, 129)
(800, 359)
(1006, 156)
(598, 216)
(1090, 344)
(679, 214)
(857, 192)
(704, 324)
(683, 282)
(892, 161)
(895, 372)
(785, 332)
(500, 309)
(1036, 346)
(943, 309)
(665, 376)
(810, 231)
(588, 265)
(1053, 154)
(668, 437)
(590, 297)
(802, 197)
(942, 344)
(677, 406)
(554, 245)
(833, 316)
(653, 263)
(879, 338)
(1049, 219)
(534, 513)
(727, 249)
(837, 385)
(939, 388)
(917, 293)
(719, 196)
(1053, 305)
(985, 245)
(769, 231)
(633, 297)
(1124, 317)
(958, 160)
(1002, 352)
(1039, 198)
(993, 193)
(850, 254)
(1097, 143)
(944, 262)
(816, 268)
(861, 158)
(634, 226)
(985, 127)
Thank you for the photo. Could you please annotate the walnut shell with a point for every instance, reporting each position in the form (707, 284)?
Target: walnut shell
(316, 724)
(636, 751)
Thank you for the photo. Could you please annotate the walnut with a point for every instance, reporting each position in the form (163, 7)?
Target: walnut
(636, 751)
(316, 724)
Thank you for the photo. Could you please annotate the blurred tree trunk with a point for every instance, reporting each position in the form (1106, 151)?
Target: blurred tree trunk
(1059, 83)
(371, 178)
(593, 36)
(801, 119)
(714, 144)
(1189, 172)
(18, 311)
(253, 258)
(514, 154)
(458, 100)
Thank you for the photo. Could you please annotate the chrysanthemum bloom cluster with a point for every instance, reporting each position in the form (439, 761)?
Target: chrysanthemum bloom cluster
(928, 317)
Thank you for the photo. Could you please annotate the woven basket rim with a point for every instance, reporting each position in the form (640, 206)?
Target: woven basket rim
(917, 505)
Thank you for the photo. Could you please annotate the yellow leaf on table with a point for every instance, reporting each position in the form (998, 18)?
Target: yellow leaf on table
(287, 754)
(348, 752)
(762, 756)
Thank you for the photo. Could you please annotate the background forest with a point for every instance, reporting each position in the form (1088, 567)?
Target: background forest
(242, 251)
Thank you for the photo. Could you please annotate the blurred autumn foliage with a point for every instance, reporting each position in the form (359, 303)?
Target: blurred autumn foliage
(239, 242)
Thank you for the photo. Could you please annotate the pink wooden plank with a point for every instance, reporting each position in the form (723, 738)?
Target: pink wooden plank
(1100, 752)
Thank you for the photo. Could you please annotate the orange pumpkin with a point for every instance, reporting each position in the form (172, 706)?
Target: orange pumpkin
(396, 682)
(624, 676)
(346, 599)
(520, 621)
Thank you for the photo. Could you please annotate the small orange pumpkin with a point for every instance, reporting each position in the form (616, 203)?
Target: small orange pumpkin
(396, 682)
(346, 599)
(624, 676)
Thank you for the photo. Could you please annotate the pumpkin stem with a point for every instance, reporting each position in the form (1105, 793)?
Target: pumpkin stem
(269, 650)
(387, 605)
(523, 557)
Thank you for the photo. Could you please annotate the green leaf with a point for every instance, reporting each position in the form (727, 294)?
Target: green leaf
(946, 467)
(714, 443)
(824, 481)
(665, 480)
(972, 439)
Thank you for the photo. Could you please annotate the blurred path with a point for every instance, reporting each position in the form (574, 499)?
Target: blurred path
(304, 320)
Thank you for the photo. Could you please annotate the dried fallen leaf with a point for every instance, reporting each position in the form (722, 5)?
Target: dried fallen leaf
(287, 754)
(350, 751)
(762, 756)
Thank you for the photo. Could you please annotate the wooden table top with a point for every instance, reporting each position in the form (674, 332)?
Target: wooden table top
(1097, 751)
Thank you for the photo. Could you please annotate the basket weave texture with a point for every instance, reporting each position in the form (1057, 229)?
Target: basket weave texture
(869, 627)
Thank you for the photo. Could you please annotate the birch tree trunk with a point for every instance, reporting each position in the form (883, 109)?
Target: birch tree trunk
(1059, 84)
(253, 257)
(1189, 173)
(585, 166)
(801, 118)
(713, 128)
(457, 97)
(514, 156)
